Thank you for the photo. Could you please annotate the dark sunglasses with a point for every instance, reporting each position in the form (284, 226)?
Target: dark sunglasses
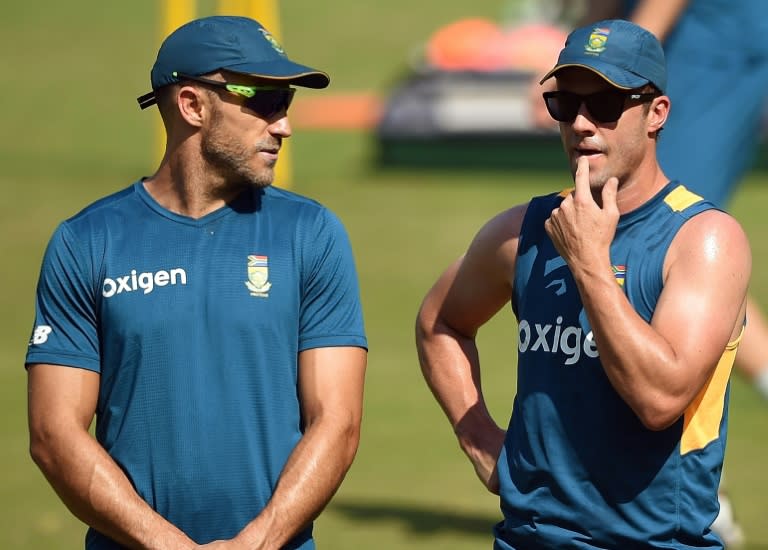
(265, 101)
(605, 106)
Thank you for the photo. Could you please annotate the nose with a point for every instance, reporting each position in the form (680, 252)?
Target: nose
(583, 122)
(281, 126)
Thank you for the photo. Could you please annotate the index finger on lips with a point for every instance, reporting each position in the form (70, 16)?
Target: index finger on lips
(581, 178)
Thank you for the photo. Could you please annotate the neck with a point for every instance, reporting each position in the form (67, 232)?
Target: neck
(641, 186)
(184, 184)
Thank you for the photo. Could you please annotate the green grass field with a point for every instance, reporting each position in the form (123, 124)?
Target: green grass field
(72, 132)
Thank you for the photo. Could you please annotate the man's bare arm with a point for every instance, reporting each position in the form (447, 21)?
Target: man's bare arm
(61, 407)
(331, 394)
(465, 297)
(659, 367)
(658, 16)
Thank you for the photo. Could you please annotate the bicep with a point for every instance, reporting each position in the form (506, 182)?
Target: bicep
(61, 396)
(702, 305)
(476, 286)
(331, 383)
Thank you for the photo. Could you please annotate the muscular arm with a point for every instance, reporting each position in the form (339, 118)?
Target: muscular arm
(658, 16)
(597, 10)
(466, 296)
(659, 367)
(331, 395)
(62, 403)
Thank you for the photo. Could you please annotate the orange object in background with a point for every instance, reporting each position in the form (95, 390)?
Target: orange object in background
(467, 44)
(533, 46)
(341, 111)
(481, 45)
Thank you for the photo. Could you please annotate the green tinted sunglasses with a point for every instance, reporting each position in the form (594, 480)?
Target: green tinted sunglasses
(265, 101)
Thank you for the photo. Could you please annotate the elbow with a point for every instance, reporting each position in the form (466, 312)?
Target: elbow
(423, 327)
(344, 437)
(41, 451)
(660, 415)
(351, 439)
(346, 444)
(658, 423)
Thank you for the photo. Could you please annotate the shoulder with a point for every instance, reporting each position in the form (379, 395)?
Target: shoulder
(105, 206)
(504, 229)
(302, 210)
(710, 227)
(299, 203)
(94, 219)
(494, 247)
(713, 237)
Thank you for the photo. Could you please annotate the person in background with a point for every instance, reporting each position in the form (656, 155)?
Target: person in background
(630, 298)
(210, 322)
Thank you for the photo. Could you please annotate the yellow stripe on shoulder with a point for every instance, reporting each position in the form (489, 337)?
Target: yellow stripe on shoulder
(565, 192)
(680, 198)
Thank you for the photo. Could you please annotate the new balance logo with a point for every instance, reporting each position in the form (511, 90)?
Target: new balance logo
(554, 263)
(560, 283)
(551, 265)
(146, 281)
(40, 335)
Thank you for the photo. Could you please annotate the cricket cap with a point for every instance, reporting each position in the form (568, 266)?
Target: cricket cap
(624, 54)
(221, 42)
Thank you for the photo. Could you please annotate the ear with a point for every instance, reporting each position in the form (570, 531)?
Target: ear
(192, 104)
(658, 113)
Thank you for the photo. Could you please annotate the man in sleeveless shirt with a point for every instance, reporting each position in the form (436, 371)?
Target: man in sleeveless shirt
(629, 292)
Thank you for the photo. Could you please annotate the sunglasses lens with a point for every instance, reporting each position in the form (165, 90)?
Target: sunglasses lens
(605, 106)
(562, 106)
(267, 103)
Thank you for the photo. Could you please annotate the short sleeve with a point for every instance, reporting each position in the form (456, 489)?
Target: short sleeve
(65, 329)
(330, 312)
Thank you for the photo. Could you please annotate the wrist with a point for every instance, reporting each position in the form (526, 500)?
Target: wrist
(475, 428)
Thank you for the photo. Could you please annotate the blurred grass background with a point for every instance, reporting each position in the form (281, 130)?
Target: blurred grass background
(71, 132)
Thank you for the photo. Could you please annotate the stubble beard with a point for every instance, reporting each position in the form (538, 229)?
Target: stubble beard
(231, 159)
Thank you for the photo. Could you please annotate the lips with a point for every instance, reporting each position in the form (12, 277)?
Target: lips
(587, 151)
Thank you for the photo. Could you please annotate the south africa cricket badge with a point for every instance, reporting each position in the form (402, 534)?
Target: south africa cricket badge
(258, 276)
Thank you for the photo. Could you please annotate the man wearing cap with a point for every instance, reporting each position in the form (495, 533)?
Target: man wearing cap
(210, 322)
(629, 293)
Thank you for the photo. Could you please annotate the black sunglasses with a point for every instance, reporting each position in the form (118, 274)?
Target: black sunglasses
(265, 101)
(604, 106)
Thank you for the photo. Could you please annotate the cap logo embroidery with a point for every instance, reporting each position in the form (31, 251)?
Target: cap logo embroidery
(273, 42)
(597, 40)
(258, 276)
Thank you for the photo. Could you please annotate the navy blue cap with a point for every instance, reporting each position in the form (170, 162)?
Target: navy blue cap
(624, 54)
(232, 43)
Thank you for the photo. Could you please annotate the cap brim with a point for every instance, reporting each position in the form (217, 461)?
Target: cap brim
(626, 84)
(286, 71)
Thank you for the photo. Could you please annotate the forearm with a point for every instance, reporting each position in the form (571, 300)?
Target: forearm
(640, 364)
(311, 476)
(450, 365)
(97, 491)
(658, 16)
(597, 10)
